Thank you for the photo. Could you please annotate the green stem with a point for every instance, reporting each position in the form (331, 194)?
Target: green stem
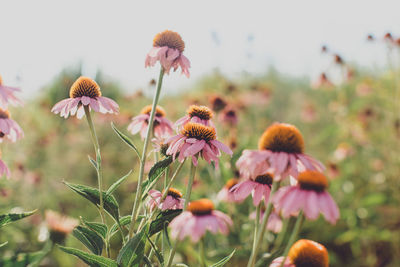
(261, 233)
(190, 184)
(256, 224)
(293, 236)
(282, 234)
(98, 160)
(136, 204)
(202, 253)
(172, 253)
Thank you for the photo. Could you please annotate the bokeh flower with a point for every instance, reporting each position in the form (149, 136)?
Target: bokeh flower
(162, 126)
(229, 116)
(224, 194)
(84, 92)
(196, 140)
(168, 48)
(4, 170)
(304, 253)
(9, 129)
(199, 217)
(274, 223)
(308, 195)
(197, 114)
(172, 201)
(259, 187)
(7, 95)
(59, 225)
(217, 103)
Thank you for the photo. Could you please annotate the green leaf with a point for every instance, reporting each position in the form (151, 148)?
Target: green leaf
(11, 217)
(115, 185)
(224, 260)
(92, 194)
(94, 163)
(147, 261)
(132, 253)
(90, 259)
(3, 244)
(125, 220)
(156, 251)
(100, 228)
(89, 238)
(155, 173)
(25, 259)
(163, 218)
(126, 139)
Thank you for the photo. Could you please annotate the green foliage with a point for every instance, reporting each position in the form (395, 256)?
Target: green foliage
(90, 259)
(223, 261)
(132, 253)
(162, 219)
(12, 217)
(91, 239)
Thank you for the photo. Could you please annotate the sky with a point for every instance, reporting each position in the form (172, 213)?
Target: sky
(39, 38)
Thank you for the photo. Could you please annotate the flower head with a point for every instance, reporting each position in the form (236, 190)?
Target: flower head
(229, 116)
(162, 126)
(198, 114)
(196, 140)
(84, 92)
(172, 201)
(308, 195)
(304, 253)
(59, 225)
(7, 95)
(168, 48)
(259, 187)
(225, 194)
(217, 103)
(199, 217)
(9, 129)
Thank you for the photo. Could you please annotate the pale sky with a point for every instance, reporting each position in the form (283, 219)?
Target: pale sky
(39, 38)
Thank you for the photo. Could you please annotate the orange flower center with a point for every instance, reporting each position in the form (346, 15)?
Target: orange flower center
(199, 131)
(307, 253)
(170, 39)
(231, 183)
(202, 112)
(282, 137)
(202, 206)
(84, 86)
(264, 179)
(4, 114)
(160, 112)
(312, 180)
(175, 193)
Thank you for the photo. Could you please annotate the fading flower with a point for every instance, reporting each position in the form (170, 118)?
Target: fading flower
(9, 129)
(308, 195)
(199, 217)
(7, 95)
(259, 187)
(168, 48)
(172, 201)
(162, 126)
(84, 92)
(197, 114)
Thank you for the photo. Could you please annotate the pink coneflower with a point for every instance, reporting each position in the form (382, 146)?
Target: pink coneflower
(59, 225)
(197, 114)
(229, 116)
(308, 195)
(7, 95)
(274, 223)
(9, 129)
(304, 253)
(281, 149)
(168, 48)
(224, 194)
(199, 217)
(84, 92)
(217, 103)
(172, 201)
(196, 140)
(162, 126)
(4, 170)
(322, 82)
(259, 187)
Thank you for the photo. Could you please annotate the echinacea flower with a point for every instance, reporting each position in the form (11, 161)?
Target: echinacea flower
(304, 253)
(217, 103)
(225, 194)
(229, 116)
(274, 223)
(308, 195)
(322, 82)
(59, 225)
(84, 92)
(197, 114)
(4, 170)
(9, 129)
(168, 49)
(172, 201)
(281, 149)
(7, 95)
(199, 217)
(162, 126)
(259, 187)
(196, 140)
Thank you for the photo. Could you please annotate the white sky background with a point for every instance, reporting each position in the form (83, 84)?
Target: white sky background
(38, 38)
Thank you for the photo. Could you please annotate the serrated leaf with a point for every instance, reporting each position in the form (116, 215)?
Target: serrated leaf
(132, 253)
(154, 174)
(89, 238)
(100, 228)
(126, 139)
(12, 217)
(90, 259)
(224, 260)
(115, 185)
(92, 194)
(94, 163)
(162, 219)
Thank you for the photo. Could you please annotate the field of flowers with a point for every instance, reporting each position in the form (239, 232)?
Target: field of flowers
(265, 170)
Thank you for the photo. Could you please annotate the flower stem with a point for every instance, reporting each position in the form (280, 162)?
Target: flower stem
(293, 236)
(256, 224)
(98, 159)
(136, 204)
(190, 184)
(260, 234)
(202, 253)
